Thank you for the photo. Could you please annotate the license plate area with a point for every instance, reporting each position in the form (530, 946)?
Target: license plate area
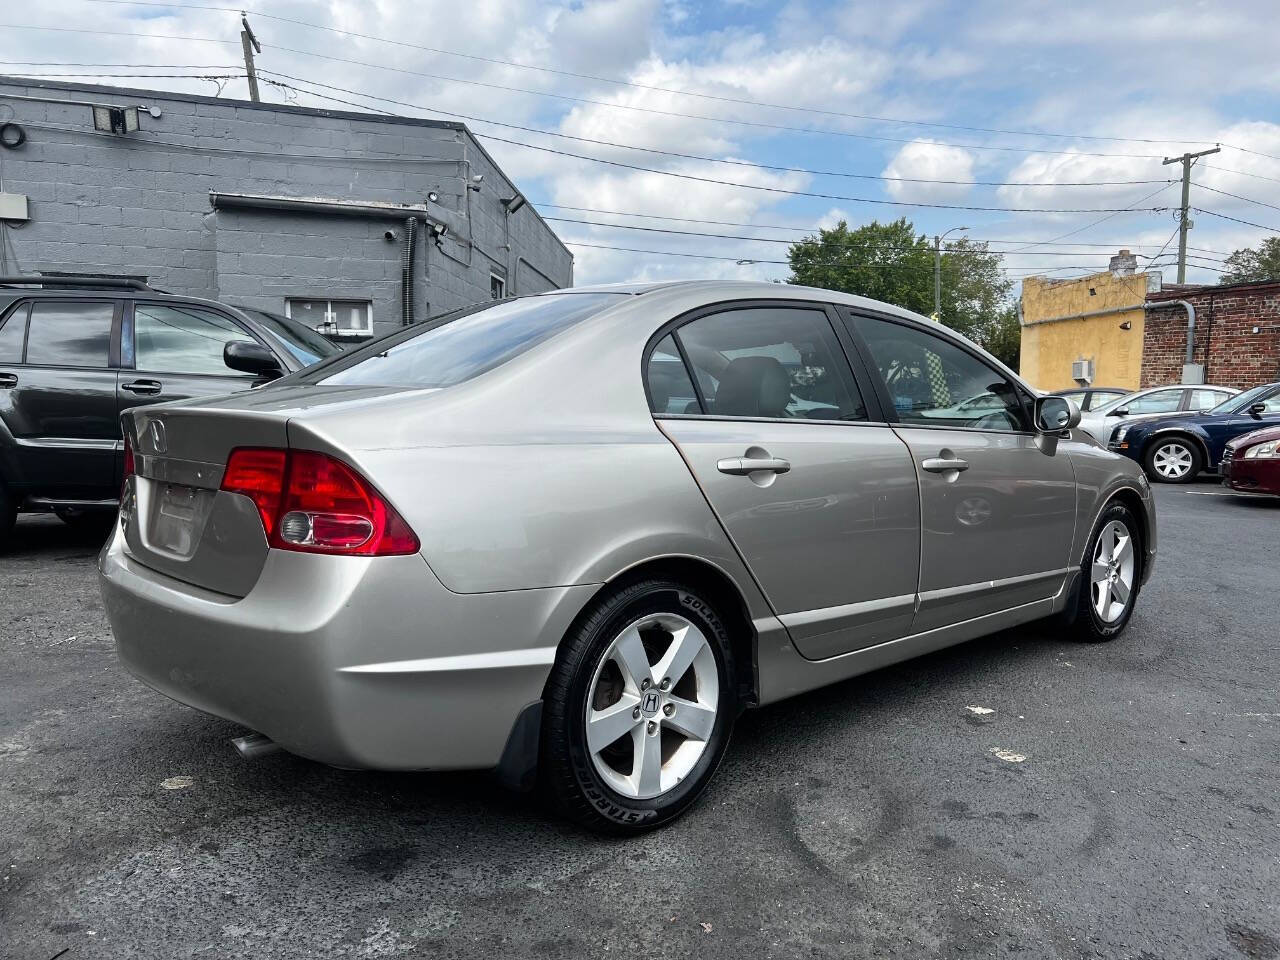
(178, 515)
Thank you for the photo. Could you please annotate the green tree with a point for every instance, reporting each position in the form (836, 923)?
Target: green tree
(891, 262)
(1246, 266)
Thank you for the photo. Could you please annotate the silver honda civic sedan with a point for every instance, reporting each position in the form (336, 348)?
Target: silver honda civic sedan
(571, 537)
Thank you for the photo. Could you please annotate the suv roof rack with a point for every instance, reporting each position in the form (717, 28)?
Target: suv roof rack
(87, 283)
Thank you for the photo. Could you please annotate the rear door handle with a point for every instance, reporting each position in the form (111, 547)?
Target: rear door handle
(8, 380)
(744, 466)
(143, 387)
(943, 464)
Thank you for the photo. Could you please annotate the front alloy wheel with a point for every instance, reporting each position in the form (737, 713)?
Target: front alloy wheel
(1112, 572)
(1110, 577)
(1173, 461)
(638, 709)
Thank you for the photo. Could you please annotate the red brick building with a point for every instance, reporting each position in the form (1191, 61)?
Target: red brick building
(1237, 336)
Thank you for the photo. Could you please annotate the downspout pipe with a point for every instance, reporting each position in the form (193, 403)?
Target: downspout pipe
(406, 272)
(1191, 327)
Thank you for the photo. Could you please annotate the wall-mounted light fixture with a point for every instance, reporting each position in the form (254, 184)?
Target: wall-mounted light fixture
(1127, 325)
(433, 197)
(475, 182)
(514, 203)
(117, 120)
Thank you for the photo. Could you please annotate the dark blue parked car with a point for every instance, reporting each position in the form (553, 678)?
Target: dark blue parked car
(1176, 449)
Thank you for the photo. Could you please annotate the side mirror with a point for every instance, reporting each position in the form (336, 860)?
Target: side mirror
(1257, 410)
(251, 358)
(1122, 412)
(1056, 414)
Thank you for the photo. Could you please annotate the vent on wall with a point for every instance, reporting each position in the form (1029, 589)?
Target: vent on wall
(1082, 371)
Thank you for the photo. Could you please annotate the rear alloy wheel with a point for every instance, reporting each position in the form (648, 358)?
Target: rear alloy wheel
(638, 710)
(1176, 460)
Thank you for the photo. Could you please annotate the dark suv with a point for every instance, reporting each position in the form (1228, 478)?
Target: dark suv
(75, 353)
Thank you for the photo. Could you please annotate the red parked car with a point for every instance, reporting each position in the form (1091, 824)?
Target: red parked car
(1251, 463)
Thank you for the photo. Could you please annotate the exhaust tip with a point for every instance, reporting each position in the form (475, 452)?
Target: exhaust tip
(254, 745)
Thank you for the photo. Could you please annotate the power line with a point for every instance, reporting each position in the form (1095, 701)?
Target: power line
(643, 86)
(1088, 226)
(732, 236)
(712, 180)
(601, 103)
(1247, 223)
(705, 159)
(1236, 196)
(749, 261)
(1239, 173)
(812, 229)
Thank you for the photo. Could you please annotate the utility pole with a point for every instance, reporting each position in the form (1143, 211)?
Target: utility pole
(250, 43)
(937, 272)
(1184, 218)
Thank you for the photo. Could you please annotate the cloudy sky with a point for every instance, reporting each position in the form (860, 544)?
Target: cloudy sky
(881, 109)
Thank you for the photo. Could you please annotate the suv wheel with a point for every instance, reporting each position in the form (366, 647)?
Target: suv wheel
(1175, 460)
(639, 709)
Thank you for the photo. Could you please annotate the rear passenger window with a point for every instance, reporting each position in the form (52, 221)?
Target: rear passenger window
(777, 362)
(69, 334)
(12, 334)
(670, 389)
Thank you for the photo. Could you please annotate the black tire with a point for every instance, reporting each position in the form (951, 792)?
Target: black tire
(1165, 443)
(1083, 622)
(568, 777)
(8, 514)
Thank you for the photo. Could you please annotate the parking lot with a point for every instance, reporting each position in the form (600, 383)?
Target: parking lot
(1019, 796)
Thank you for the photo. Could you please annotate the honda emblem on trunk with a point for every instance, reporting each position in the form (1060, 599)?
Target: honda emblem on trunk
(159, 442)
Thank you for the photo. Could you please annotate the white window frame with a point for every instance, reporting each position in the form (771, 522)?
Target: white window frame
(324, 329)
(502, 281)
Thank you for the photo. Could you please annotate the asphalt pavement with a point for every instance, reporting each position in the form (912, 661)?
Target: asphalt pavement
(1018, 796)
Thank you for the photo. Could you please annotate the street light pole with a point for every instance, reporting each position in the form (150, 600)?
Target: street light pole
(937, 272)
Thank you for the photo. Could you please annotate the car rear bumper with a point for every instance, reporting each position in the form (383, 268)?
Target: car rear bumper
(355, 662)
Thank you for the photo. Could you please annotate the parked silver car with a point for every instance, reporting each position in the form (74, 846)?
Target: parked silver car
(1168, 401)
(575, 534)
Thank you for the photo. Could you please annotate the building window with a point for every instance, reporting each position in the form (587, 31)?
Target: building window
(335, 318)
(497, 286)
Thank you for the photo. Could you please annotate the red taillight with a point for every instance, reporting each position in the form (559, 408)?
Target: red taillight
(259, 475)
(128, 460)
(315, 503)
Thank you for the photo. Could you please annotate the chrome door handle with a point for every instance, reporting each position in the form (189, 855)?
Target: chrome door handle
(145, 387)
(943, 464)
(8, 380)
(744, 466)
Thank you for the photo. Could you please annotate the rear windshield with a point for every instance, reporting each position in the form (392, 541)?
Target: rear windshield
(306, 346)
(467, 346)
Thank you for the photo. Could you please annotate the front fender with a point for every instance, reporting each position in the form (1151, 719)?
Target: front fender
(1190, 430)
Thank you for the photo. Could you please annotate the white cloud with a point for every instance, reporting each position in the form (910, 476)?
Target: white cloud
(929, 160)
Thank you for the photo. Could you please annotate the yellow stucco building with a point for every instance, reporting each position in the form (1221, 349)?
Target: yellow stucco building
(1097, 319)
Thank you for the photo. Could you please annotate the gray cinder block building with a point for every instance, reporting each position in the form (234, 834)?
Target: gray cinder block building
(354, 223)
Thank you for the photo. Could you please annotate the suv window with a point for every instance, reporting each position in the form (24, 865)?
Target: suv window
(670, 389)
(775, 362)
(69, 333)
(467, 345)
(1162, 401)
(934, 382)
(12, 335)
(169, 338)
